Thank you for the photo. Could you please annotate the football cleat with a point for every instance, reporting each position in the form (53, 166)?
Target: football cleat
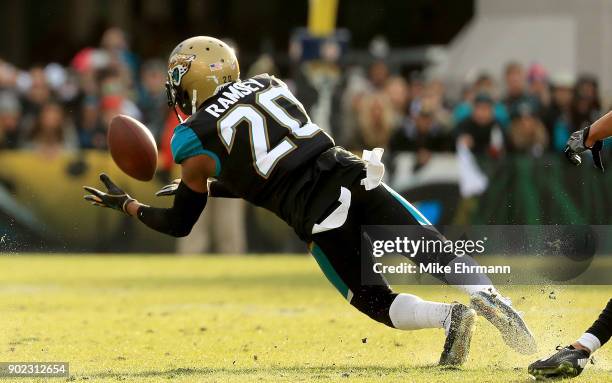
(498, 310)
(457, 344)
(567, 362)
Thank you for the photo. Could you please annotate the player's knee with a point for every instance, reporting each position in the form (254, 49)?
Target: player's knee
(402, 311)
(374, 301)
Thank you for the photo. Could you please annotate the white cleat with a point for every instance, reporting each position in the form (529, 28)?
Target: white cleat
(498, 310)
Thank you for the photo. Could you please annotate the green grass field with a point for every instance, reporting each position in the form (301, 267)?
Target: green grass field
(249, 319)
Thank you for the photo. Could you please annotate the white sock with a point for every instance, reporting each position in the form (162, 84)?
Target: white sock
(475, 282)
(409, 312)
(589, 341)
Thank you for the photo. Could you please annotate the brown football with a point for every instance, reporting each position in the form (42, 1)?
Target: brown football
(132, 147)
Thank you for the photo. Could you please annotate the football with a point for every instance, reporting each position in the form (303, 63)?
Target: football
(132, 147)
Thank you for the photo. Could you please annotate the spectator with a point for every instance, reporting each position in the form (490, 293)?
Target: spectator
(484, 84)
(480, 132)
(463, 109)
(421, 136)
(37, 93)
(110, 100)
(152, 96)
(588, 87)
(86, 64)
(8, 76)
(539, 88)
(527, 133)
(417, 89)
(111, 85)
(437, 88)
(586, 107)
(357, 86)
(397, 91)
(110, 106)
(558, 116)
(10, 115)
(115, 45)
(516, 92)
(52, 133)
(376, 120)
(378, 74)
(88, 117)
(433, 102)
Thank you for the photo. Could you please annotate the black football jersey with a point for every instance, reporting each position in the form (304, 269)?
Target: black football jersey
(260, 137)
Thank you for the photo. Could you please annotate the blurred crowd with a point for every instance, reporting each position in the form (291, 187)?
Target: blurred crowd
(54, 108)
(529, 111)
(51, 108)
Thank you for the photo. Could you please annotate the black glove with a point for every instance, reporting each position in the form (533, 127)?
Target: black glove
(169, 189)
(576, 145)
(115, 198)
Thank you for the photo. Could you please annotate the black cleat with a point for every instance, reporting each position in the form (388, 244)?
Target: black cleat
(498, 310)
(567, 362)
(457, 344)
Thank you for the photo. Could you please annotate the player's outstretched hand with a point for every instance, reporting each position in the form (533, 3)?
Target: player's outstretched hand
(576, 145)
(115, 198)
(169, 189)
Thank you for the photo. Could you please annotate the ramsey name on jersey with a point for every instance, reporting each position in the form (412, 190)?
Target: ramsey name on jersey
(232, 94)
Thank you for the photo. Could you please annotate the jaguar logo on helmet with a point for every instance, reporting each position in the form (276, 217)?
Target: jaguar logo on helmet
(179, 65)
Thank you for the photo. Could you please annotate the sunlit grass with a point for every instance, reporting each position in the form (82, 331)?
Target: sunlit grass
(247, 319)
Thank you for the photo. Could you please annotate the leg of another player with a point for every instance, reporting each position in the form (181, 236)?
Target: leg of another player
(569, 361)
(599, 333)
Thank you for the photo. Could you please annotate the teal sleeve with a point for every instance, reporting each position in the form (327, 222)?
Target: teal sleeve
(185, 143)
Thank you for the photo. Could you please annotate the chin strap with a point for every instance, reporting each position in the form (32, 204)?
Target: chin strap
(194, 101)
(178, 116)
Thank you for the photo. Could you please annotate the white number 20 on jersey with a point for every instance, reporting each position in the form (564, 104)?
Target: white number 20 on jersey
(264, 157)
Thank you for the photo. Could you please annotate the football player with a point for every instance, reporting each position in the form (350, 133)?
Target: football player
(589, 138)
(252, 139)
(569, 361)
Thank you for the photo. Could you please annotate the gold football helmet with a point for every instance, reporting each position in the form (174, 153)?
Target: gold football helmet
(197, 67)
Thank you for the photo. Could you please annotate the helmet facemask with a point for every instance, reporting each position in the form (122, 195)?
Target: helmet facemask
(174, 100)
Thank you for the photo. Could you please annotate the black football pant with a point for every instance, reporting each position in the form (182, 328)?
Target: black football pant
(338, 251)
(602, 328)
